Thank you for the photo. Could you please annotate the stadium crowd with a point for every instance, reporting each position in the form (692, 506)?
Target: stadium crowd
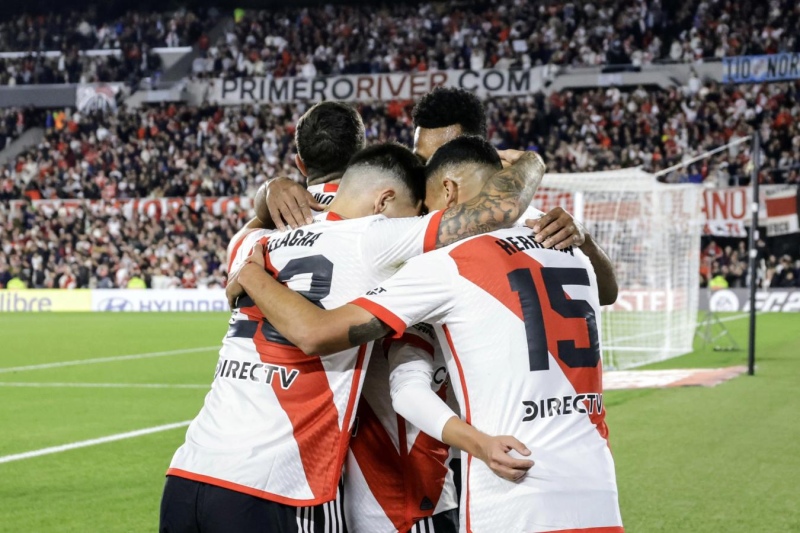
(131, 37)
(358, 38)
(509, 34)
(99, 248)
(130, 65)
(177, 150)
(181, 150)
(726, 266)
(90, 30)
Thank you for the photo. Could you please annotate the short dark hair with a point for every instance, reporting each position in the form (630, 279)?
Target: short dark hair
(446, 106)
(397, 160)
(461, 150)
(328, 135)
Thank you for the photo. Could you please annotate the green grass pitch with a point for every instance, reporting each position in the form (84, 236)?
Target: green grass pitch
(721, 459)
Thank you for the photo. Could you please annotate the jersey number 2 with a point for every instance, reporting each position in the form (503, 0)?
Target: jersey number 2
(521, 281)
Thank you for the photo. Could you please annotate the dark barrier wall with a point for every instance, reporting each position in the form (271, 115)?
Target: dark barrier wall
(57, 95)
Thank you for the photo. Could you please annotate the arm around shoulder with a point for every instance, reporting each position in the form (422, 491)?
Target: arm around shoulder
(604, 270)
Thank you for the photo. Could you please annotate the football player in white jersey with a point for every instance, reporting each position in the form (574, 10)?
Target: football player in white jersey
(266, 451)
(413, 488)
(397, 478)
(519, 325)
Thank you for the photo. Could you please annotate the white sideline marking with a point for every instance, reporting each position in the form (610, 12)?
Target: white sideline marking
(107, 385)
(106, 359)
(92, 442)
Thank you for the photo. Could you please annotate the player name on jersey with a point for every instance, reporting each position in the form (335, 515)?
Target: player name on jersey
(520, 243)
(298, 237)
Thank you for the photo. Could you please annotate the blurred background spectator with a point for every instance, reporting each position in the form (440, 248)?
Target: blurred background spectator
(725, 265)
(15, 120)
(93, 29)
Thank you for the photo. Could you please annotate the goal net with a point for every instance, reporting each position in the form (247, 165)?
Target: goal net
(651, 231)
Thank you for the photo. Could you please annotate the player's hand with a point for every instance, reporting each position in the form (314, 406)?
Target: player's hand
(509, 157)
(558, 229)
(290, 203)
(234, 289)
(256, 256)
(494, 452)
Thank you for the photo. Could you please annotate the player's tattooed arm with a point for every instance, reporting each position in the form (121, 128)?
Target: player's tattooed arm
(501, 201)
(369, 331)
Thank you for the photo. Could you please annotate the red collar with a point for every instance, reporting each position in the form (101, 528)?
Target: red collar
(333, 216)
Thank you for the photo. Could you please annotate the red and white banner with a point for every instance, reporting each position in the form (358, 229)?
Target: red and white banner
(371, 87)
(151, 207)
(727, 211)
(781, 207)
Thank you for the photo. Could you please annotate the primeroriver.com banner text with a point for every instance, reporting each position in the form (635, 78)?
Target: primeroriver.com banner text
(372, 87)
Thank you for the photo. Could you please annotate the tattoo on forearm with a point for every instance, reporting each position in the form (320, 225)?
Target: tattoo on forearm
(499, 204)
(364, 333)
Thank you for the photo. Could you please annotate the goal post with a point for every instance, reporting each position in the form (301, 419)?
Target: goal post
(651, 232)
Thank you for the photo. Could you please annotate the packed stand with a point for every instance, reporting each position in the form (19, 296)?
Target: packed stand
(603, 129)
(180, 150)
(100, 248)
(367, 38)
(726, 266)
(125, 44)
(720, 28)
(91, 30)
(360, 39)
(406, 37)
(171, 150)
(129, 65)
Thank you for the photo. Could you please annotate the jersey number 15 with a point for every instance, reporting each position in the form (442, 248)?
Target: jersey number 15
(522, 282)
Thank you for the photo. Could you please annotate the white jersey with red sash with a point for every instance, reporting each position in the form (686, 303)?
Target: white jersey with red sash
(396, 475)
(276, 423)
(519, 327)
